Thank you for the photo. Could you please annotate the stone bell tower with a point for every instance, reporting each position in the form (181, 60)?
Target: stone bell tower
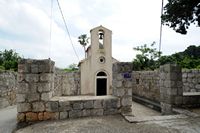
(96, 69)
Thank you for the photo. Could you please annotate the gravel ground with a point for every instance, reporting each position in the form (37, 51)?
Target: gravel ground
(8, 119)
(104, 124)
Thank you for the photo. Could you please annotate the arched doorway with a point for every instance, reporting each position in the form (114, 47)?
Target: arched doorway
(101, 84)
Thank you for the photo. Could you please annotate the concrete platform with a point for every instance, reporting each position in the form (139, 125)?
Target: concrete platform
(82, 98)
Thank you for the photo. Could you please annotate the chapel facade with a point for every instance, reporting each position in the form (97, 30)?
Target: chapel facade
(96, 69)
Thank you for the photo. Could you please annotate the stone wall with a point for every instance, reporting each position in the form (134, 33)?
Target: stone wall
(35, 89)
(35, 100)
(146, 85)
(122, 85)
(8, 83)
(171, 91)
(67, 83)
(191, 80)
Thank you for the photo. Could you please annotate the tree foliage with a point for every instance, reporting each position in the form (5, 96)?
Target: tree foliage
(9, 60)
(179, 14)
(148, 59)
(83, 40)
(71, 68)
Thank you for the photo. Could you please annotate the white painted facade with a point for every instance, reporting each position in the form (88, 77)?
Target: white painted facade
(99, 59)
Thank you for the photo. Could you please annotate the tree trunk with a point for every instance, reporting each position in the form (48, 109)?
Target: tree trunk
(84, 51)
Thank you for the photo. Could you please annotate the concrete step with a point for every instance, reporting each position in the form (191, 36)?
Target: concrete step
(147, 103)
(139, 119)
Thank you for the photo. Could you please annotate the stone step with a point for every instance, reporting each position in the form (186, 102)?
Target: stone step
(147, 102)
(139, 119)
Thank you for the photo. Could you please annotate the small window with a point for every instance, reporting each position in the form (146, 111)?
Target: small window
(102, 60)
(101, 74)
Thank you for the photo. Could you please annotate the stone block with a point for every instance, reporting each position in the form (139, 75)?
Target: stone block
(22, 68)
(98, 104)
(64, 106)
(117, 84)
(30, 117)
(44, 87)
(52, 106)
(166, 109)
(32, 78)
(119, 77)
(51, 115)
(23, 88)
(126, 109)
(33, 87)
(75, 113)
(38, 106)
(96, 112)
(178, 100)
(118, 92)
(34, 68)
(86, 112)
(21, 98)
(77, 105)
(41, 116)
(129, 92)
(167, 83)
(110, 103)
(32, 97)
(128, 84)
(125, 101)
(20, 77)
(23, 107)
(46, 96)
(197, 86)
(46, 77)
(88, 104)
(46, 67)
(20, 117)
(64, 115)
(111, 111)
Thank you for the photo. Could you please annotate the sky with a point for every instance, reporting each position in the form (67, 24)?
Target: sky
(25, 27)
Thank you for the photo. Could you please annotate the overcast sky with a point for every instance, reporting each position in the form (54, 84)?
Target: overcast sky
(25, 27)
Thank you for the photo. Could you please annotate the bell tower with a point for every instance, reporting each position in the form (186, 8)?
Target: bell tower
(96, 69)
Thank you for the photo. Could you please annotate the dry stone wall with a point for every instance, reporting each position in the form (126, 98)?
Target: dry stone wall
(191, 80)
(35, 89)
(171, 92)
(146, 85)
(8, 85)
(122, 85)
(35, 100)
(67, 83)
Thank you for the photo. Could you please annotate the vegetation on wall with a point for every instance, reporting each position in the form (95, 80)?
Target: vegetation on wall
(9, 60)
(148, 59)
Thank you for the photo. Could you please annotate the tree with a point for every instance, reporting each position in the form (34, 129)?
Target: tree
(71, 68)
(83, 40)
(9, 59)
(179, 14)
(147, 58)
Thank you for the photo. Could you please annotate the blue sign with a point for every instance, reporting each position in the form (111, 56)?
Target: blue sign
(127, 75)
